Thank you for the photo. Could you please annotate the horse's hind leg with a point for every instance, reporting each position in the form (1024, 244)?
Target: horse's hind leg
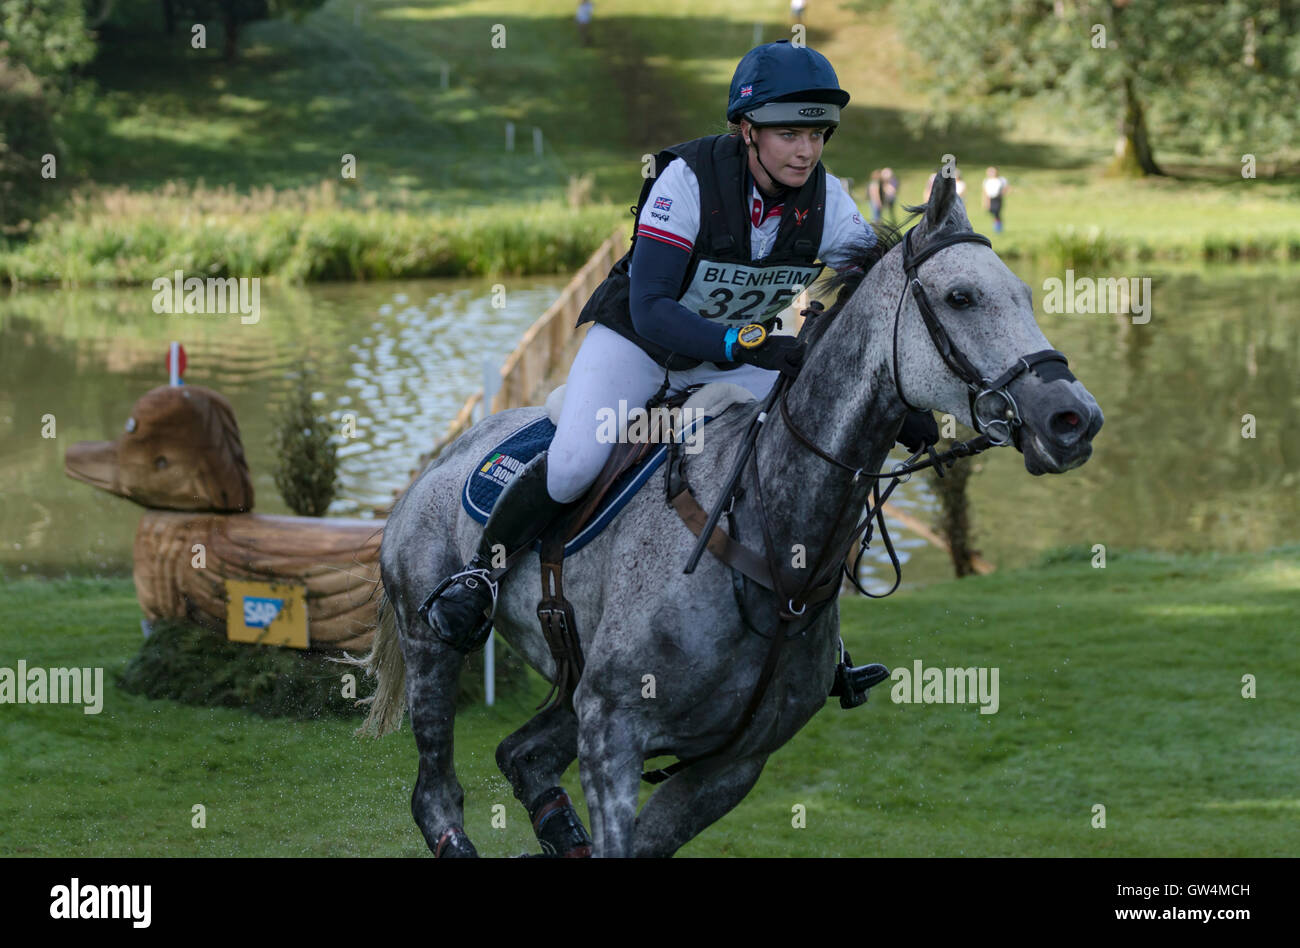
(533, 759)
(437, 803)
(692, 800)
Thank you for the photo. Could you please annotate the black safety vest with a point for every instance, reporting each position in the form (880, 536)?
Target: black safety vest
(723, 282)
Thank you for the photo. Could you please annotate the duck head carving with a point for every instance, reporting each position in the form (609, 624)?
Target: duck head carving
(180, 450)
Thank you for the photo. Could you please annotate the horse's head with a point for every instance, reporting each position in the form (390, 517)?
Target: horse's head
(987, 315)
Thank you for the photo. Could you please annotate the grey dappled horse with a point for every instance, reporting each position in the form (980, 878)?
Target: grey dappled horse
(639, 615)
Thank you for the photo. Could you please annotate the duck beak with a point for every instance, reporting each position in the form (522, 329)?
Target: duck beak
(94, 463)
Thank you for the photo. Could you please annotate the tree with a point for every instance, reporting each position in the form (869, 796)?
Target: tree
(235, 14)
(42, 42)
(1199, 75)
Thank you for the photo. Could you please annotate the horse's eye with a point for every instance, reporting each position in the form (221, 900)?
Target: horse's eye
(160, 462)
(960, 299)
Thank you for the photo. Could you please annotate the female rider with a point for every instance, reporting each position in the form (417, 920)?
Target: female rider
(730, 230)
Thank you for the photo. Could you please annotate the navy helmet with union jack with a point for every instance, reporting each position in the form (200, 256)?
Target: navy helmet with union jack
(786, 85)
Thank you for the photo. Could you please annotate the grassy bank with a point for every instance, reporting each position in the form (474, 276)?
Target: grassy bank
(367, 81)
(304, 235)
(1120, 687)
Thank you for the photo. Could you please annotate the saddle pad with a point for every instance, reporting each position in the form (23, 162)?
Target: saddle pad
(499, 466)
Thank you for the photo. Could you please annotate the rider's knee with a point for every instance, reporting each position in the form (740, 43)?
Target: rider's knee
(567, 478)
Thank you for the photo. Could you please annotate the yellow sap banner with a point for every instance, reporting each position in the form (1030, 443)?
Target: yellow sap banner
(266, 613)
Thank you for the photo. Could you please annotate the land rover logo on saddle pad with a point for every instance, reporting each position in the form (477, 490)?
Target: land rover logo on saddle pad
(500, 468)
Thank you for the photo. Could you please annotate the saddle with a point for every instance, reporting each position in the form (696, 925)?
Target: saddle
(630, 464)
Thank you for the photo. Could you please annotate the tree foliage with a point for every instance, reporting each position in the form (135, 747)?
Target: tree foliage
(1213, 77)
(42, 42)
(307, 459)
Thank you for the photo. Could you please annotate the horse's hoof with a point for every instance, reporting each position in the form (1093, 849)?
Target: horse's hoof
(454, 844)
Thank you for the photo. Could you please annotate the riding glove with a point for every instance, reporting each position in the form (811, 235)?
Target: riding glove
(919, 431)
(782, 354)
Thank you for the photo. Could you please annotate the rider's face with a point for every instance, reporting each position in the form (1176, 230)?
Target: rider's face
(789, 153)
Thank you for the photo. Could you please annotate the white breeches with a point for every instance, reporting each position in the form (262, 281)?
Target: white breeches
(609, 368)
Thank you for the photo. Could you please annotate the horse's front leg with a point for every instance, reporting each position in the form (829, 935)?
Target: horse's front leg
(692, 800)
(610, 756)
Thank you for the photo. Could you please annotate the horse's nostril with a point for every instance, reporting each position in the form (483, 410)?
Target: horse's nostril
(1066, 426)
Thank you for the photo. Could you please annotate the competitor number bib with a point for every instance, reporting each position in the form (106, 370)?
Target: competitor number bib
(736, 294)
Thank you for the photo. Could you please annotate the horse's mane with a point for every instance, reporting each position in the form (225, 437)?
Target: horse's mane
(862, 258)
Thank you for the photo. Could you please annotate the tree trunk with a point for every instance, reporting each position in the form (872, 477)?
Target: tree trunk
(169, 18)
(954, 514)
(1133, 155)
(231, 23)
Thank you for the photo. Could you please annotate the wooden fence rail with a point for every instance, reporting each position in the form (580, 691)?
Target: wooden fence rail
(544, 354)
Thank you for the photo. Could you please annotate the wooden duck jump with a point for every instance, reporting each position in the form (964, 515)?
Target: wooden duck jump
(181, 457)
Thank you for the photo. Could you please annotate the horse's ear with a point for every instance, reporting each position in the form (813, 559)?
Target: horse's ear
(945, 211)
(943, 193)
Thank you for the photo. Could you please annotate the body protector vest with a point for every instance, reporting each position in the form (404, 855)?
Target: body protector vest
(723, 282)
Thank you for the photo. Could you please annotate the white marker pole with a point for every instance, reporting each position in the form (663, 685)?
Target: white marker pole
(510, 136)
(174, 363)
(491, 384)
(537, 141)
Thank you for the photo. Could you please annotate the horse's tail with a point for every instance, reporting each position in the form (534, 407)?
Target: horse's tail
(384, 661)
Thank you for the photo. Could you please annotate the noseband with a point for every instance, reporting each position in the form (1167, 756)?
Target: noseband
(994, 413)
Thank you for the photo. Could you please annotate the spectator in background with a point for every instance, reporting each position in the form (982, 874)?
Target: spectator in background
(889, 186)
(796, 10)
(873, 195)
(995, 188)
(583, 19)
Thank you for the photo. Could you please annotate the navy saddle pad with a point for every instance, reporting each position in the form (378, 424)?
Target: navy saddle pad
(502, 463)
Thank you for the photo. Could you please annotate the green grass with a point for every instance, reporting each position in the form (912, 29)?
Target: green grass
(1119, 687)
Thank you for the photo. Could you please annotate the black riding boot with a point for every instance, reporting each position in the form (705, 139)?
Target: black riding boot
(460, 610)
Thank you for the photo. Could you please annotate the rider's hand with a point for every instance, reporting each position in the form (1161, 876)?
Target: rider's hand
(782, 354)
(919, 431)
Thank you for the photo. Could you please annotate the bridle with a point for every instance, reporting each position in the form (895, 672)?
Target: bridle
(998, 422)
(993, 410)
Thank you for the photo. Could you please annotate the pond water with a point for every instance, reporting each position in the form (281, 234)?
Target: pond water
(401, 357)
(1170, 470)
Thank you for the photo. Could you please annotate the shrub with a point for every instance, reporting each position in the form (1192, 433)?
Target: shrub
(307, 461)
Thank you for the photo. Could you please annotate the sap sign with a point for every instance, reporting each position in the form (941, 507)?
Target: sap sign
(266, 613)
(260, 613)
